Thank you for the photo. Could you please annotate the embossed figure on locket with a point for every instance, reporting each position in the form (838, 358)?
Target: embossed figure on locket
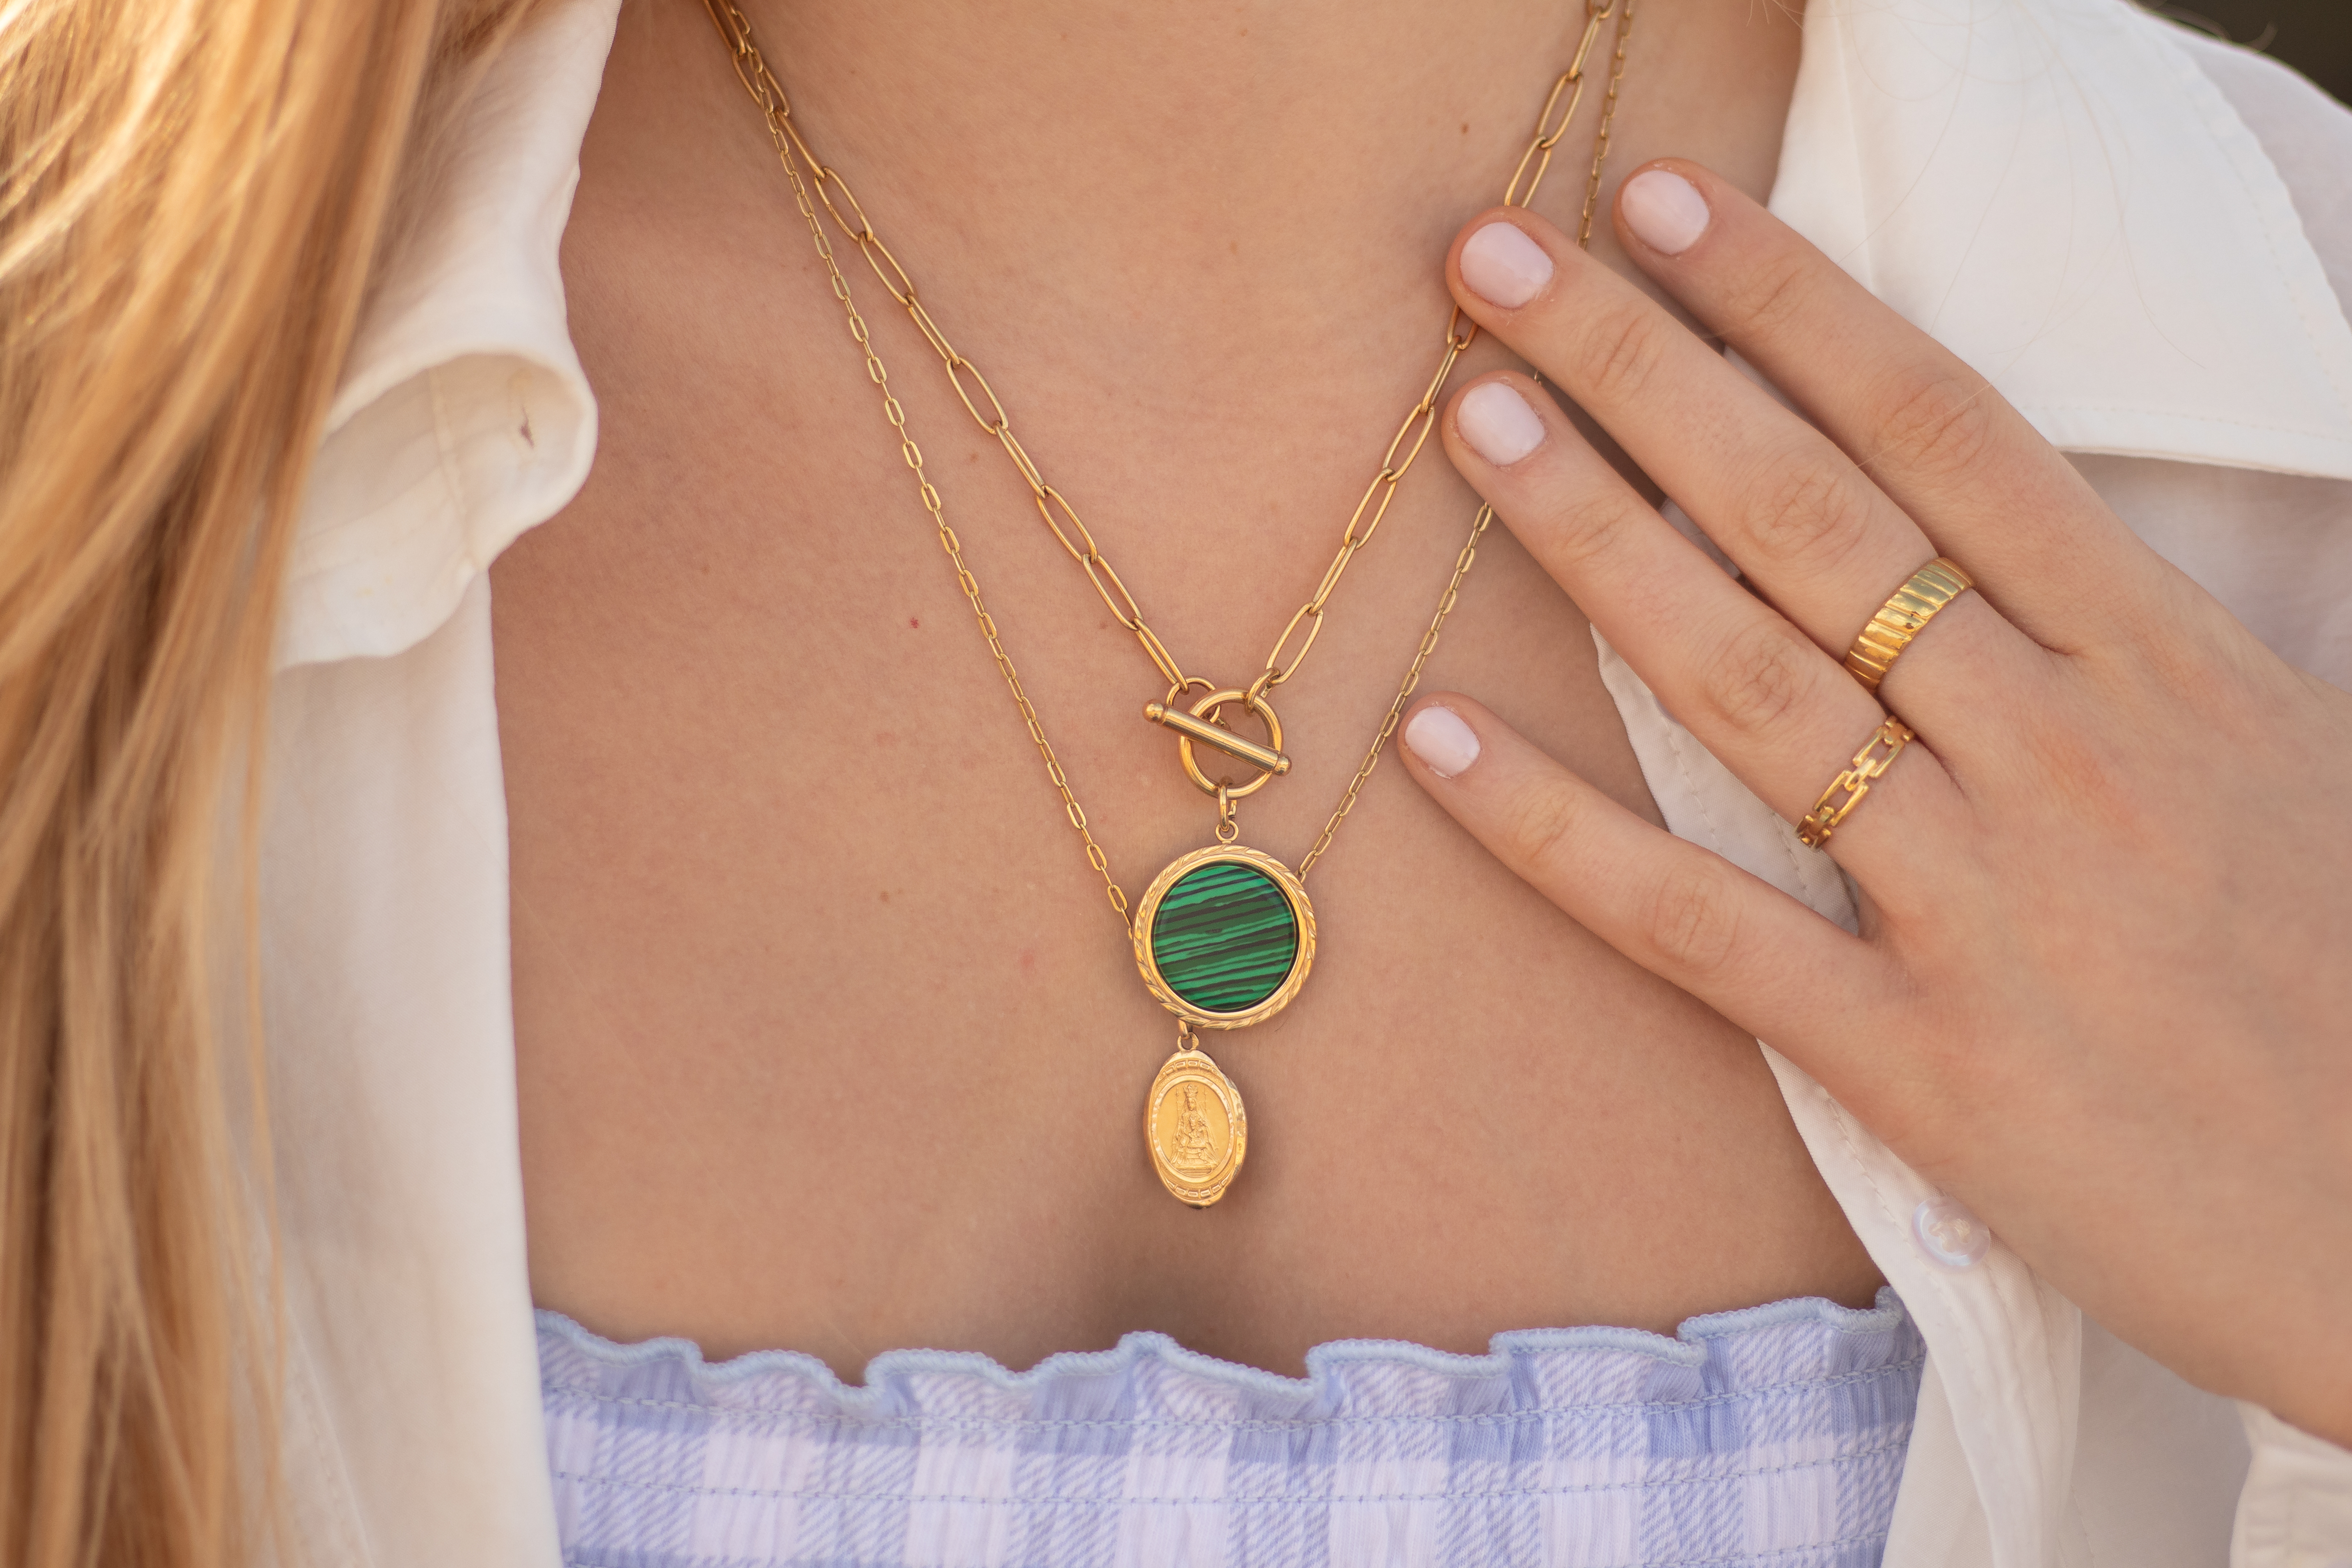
(1195, 1151)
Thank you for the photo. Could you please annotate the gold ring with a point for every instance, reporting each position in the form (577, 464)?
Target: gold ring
(1898, 620)
(1854, 783)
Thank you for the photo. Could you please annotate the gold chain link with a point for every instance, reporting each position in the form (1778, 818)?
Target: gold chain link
(1462, 563)
(1608, 118)
(754, 73)
(833, 193)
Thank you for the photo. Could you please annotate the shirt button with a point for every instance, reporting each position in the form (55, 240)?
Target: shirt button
(1950, 1234)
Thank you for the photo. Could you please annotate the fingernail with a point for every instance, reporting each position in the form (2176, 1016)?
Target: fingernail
(1498, 423)
(1501, 264)
(1664, 211)
(1442, 740)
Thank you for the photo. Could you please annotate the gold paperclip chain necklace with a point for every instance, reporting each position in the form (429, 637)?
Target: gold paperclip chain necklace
(1225, 935)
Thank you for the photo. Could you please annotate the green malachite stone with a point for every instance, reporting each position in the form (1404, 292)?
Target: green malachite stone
(1225, 937)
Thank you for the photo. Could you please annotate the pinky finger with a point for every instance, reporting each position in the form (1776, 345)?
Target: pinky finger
(1748, 949)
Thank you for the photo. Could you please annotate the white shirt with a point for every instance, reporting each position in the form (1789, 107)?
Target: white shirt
(2140, 236)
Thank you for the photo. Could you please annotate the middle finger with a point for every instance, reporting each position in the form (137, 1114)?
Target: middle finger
(1803, 521)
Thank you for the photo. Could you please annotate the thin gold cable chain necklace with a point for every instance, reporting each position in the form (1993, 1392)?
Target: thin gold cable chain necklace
(1225, 935)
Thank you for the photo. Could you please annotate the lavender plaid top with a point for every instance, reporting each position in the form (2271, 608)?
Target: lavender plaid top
(1772, 1437)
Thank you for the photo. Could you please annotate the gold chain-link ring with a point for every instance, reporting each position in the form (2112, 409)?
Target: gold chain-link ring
(1900, 619)
(1846, 791)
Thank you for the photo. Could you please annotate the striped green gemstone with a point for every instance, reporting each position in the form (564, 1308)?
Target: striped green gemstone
(1225, 937)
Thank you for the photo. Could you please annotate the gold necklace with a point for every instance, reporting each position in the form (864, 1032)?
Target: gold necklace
(1225, 935)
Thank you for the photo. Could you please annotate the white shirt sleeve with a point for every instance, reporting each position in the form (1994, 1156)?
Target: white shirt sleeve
(2296, 1509)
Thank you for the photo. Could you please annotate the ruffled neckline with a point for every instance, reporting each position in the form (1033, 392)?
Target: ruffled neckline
(1798, 1344)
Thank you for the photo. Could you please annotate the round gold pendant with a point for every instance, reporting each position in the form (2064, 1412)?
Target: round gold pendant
(1225, 936)
(1196, 1127)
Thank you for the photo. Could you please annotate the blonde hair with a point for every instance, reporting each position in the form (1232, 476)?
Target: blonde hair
(193, 194)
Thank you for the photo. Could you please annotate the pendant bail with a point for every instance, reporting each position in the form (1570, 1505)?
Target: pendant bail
(1227, 828)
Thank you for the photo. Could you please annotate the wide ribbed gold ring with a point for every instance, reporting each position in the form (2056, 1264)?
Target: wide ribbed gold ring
(1900, 619)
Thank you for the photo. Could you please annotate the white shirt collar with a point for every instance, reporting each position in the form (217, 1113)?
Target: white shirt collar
(2056, 192)
(463, 417)
(2050, 186)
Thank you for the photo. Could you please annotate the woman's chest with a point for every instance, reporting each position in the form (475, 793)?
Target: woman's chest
(830, 1035)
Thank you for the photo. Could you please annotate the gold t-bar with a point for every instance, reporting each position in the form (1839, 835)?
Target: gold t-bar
(1217, 735)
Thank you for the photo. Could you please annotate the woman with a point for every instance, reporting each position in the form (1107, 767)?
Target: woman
(677, 872)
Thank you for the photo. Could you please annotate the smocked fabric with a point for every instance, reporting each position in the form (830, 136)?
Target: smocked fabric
(1771, 1437)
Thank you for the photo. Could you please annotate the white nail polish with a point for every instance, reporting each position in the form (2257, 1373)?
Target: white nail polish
(1498, 423)
(1664, 211)
(1500, 263)
(1442, 740)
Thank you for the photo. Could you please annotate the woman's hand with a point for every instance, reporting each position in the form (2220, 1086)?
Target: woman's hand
(2103, 991)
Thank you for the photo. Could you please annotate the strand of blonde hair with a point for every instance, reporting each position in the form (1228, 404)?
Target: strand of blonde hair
(193, 194)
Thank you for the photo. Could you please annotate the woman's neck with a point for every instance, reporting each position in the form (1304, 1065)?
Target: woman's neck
(1277, 163)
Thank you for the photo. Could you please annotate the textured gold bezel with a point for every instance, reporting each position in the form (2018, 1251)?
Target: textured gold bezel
(1194, 1067)
(1292, 889)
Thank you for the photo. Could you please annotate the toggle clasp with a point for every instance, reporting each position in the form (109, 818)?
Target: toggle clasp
(1200, 725)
